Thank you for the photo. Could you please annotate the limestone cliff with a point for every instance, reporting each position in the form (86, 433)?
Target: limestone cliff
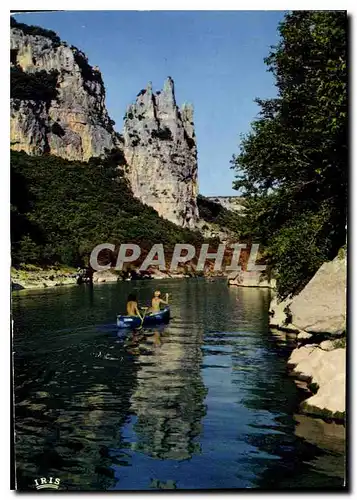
(68, 118)
(160, 149)
(58, 107)
(233, 203)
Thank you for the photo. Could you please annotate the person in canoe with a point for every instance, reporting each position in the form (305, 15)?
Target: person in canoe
(132, 308)
(157, 301)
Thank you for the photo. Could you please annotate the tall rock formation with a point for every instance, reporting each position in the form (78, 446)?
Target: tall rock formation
(67, 117)
(160, 149)
(58, 107)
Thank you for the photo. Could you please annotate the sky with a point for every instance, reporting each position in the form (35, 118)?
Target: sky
(216, 59)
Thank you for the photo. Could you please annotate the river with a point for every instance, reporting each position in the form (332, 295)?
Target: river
(204, 402)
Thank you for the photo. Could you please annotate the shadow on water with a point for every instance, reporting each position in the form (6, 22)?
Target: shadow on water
(203, 402)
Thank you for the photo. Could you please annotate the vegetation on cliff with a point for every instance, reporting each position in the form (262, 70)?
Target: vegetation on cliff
(40, 86)
(36, 31)
(214, 213)
(292, 166)
(60, 210)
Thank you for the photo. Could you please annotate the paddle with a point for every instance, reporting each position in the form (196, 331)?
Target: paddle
(142, 318)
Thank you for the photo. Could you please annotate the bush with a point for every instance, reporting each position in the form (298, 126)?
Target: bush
(13, 56)
(87, 72)
(36, 31)
(215, 213)
(40, 86)
(58, 130)
(190, 142)
(292, 166)
(77, 206)
(162, 133)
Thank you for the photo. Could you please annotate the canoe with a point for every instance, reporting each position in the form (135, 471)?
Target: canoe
(150, 320)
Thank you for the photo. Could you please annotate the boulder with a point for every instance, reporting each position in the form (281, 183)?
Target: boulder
(104, 276)
(16, 286)
(304, 336)
(321, 306)
(249, 279)
(327, 345)
(279, 317)
(328, 436)
(326, 369)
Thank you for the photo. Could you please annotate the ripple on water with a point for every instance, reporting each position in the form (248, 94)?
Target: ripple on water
(203, 402)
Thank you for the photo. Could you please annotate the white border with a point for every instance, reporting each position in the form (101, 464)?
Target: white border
(4, 194)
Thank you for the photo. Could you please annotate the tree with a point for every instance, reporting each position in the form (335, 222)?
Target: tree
(292, 165)
(62, 209)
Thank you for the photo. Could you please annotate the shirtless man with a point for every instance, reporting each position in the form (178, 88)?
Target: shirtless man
(156, 301)
(132, 308)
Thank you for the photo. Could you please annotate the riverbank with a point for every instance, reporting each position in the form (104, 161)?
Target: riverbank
(31, 277)
(317, 316)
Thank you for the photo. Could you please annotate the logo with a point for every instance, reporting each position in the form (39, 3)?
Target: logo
(47, 483)
(156, 256)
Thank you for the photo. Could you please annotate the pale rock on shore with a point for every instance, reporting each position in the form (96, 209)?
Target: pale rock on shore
(250, 279)
(21, 280)
(318, 316)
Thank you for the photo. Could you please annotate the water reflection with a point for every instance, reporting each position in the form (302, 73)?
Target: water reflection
(69, 415)
(169, 395)
(204, 402)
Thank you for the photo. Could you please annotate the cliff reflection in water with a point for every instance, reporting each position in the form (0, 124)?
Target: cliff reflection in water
(169, 396)
(105, 412)
(294, 449)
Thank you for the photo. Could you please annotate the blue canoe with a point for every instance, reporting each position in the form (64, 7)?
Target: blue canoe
(150, 320)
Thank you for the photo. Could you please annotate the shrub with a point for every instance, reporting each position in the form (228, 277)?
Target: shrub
(87, 72)
(162, 133)
(58, 130)
(190, 142)
(39, 86)
(13, 56)
(36, 31)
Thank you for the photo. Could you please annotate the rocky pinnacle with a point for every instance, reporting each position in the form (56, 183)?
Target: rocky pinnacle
(160, 149)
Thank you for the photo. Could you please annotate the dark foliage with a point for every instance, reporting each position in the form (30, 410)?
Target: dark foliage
(217, 214)
(87, 72)
(61, 209)
(58, 130)
(39, 86)
(162, 133)
(36, 31)
(292, 168)
(13, 56)
(189, 140)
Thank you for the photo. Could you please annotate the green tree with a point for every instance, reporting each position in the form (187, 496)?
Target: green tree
(62, 209)
(292, 165)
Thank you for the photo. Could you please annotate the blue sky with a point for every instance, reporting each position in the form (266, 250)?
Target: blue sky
(214, 57)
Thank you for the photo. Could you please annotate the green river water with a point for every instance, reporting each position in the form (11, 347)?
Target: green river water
(204, 402)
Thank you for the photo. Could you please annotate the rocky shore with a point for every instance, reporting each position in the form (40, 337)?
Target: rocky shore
(317, 315)
(32, 277)
(250, 279)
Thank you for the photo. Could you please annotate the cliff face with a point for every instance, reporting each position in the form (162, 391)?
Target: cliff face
(57, 107)
(233, 203)
(69, 118)
(160, 149)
